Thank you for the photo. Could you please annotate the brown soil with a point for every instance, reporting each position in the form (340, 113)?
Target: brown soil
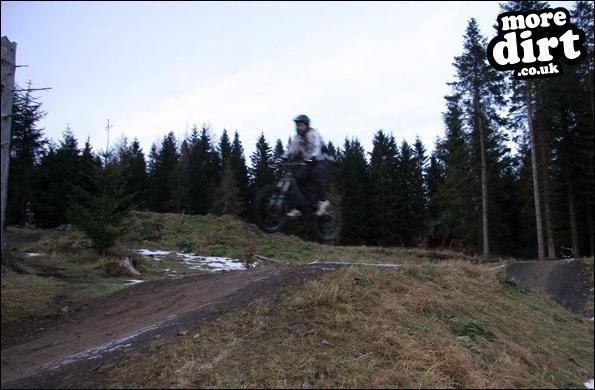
(75, 351)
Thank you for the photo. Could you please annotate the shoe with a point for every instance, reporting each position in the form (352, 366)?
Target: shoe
(323, 206)
(294, 213)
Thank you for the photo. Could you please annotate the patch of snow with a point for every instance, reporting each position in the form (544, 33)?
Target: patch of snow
(134, 281)
(152, 254)
(589, 384)
(196, 262)
(33, 254)
(210, 263)
(223, 263)
(592, 318)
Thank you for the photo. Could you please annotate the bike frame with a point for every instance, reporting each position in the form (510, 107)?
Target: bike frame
(288, 184)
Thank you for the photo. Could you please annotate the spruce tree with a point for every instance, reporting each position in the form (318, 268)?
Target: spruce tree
(383, 179)
(278, 152)
(27, 145)
(481, 88)
(100, 213)
(239, 169)
(261, 170)
(59, 173)
(164, 176)
(355, 191)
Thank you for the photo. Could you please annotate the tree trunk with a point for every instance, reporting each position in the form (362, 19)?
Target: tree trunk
(484, 180)
(549, 229)
(536, 195)
(590, 229)
(573, 226)
(8, 55)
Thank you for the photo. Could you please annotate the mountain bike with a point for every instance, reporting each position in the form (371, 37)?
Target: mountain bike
(274, 200)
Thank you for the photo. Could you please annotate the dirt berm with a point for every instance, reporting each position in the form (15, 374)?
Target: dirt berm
(568, 282)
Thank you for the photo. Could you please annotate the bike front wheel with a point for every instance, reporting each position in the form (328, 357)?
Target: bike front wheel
(270, 209)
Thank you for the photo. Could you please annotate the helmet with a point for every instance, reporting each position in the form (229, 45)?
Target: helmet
(302, 119)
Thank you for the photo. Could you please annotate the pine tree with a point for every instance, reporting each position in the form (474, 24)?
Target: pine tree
(59, 173)
(383, 179)
(405, 194)
(458, 215)
(522, 115)
(239, 169)
(434, 180)
(261, 170)
(419, 192)
(26, 149)
(131, 162)
(582, 191)
(206, 165)
(224, 148)
(164, 182)
(355, 190)
(99, 214)
(278, 152)
(481, 87)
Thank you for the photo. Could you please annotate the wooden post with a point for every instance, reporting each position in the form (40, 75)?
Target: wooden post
(8, 68)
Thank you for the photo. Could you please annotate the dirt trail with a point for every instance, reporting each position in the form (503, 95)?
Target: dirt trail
(72, 353)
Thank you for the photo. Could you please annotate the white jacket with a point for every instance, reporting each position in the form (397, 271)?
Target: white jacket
(311, 146)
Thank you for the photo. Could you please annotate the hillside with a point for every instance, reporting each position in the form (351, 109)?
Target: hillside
(439, 320)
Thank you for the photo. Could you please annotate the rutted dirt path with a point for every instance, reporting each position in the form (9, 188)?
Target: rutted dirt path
(71, 354)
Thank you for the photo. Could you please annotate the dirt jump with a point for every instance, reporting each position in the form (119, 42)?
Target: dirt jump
(74, 352)
(568, 282)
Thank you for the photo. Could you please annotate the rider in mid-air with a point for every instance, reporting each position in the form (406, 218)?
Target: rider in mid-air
(313, 176)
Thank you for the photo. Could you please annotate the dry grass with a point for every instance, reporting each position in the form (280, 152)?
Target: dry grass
(81, 271)
(227, 236)
(426, 325)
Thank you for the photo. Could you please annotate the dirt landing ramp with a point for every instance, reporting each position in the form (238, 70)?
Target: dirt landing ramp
(75, 352)
(568, 282)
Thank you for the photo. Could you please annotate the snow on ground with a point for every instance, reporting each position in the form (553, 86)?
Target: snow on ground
(589, 384)
(153, 254)
(33, 254)
(195, 262)
(210, 263)
(134, 281)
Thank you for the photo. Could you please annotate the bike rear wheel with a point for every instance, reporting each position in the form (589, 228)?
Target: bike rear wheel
(270, 209)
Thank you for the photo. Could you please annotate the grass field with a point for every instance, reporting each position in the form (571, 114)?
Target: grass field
(437, 321)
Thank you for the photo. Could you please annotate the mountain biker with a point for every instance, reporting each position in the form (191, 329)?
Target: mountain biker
(313, 176)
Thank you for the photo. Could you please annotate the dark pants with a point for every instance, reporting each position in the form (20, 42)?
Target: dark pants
(313, 178)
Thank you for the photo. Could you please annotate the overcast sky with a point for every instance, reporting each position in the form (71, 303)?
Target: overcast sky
(153, 67)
